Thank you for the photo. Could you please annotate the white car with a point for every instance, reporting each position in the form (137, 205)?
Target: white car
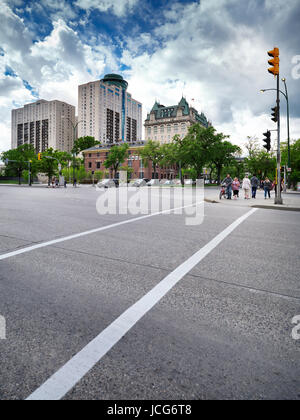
(106, 183)
(153, 182)
(137, 183)
(169, 183)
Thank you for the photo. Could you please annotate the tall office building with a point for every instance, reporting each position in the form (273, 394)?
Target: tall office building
(164, 122)
(43, 124)
(108, 112)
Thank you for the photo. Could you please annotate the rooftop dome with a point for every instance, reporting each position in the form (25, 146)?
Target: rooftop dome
(115, 79)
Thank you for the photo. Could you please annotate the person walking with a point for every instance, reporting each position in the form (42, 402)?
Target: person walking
(75, 182)
(236, 188)
(254, 185)
(246, 187)
(228, 183)
(267, 188)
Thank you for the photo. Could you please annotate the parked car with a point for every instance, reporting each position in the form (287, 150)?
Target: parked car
(153, 182)
(139, 183)
(169, 182)
(108, 183)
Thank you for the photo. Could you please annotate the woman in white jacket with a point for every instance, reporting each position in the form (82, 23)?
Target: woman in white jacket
(246, 187)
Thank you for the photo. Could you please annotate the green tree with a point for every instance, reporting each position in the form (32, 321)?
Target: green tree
(98, 175)
(222, 154)
(116, 157)
(262, 164)
(295, 160)
(83, 143)
(80, 173)
(195, 149)
(152, 152)
(21, 156)
(49, 164)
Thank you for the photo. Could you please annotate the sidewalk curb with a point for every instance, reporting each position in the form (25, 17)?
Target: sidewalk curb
(278, 207)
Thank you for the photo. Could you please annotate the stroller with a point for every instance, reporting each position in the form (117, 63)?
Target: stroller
(223, 192)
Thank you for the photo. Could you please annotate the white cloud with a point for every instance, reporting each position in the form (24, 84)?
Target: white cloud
(54, 66)
(120, 7)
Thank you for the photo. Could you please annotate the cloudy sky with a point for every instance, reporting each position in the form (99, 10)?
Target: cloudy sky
(212, 51)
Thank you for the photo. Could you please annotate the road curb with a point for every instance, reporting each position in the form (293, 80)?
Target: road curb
(278, 207)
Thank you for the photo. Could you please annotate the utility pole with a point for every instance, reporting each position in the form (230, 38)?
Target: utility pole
(274, 62)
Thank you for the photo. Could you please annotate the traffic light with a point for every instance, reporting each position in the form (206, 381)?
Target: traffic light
(267, 140)
(274, 114)
(274, 61)
(39, 156)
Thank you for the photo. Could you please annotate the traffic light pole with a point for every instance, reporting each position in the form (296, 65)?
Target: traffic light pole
(278, 198)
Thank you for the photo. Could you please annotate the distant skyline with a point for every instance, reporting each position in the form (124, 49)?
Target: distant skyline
(212, 51)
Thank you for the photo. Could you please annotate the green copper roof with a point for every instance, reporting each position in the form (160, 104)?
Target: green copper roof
(115, 79)
(162, 111)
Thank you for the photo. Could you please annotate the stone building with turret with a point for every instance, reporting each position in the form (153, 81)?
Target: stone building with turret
(164, 122)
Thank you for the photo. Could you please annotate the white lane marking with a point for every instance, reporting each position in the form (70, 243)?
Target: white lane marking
(89, 232)
(73, 371)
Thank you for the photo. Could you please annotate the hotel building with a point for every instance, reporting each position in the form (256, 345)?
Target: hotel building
(108, 112)
(164, 122)
(43, 124)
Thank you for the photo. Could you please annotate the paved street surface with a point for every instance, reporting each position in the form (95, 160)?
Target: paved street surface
(223, 331)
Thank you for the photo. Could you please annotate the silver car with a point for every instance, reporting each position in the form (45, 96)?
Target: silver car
(106, 183)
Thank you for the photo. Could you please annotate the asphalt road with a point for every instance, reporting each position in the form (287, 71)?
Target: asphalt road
(224, 331)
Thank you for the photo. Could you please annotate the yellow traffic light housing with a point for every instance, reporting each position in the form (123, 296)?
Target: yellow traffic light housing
(274, 61)
(39, 156)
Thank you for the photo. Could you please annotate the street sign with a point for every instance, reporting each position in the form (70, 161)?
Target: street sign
(289, 169)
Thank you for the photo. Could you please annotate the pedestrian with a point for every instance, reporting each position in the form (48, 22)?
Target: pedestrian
(65, 183)
(254, 185)
(246, 187)
(267, 188)
(236, 188)
(228, 183)
(56, 182)
(75, 182)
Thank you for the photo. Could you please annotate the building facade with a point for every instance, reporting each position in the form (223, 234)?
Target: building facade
(43, 124)
(108, 112)
(95, 157)
(163, 123)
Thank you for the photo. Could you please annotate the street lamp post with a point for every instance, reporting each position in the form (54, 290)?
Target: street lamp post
(288, 128)
(74, 126)
(288, 120)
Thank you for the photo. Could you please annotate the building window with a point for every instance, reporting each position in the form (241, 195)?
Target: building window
(90, 165)
(169, 128)
(98, 165)
(162, 129)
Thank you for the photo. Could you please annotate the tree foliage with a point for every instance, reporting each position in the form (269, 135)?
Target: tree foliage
(83, 143)
(116, 157)
(152, 152)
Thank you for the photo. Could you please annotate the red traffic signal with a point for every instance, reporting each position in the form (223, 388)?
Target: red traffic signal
(274, 62)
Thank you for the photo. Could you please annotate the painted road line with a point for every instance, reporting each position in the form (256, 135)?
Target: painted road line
(89, 232)
(73, 371)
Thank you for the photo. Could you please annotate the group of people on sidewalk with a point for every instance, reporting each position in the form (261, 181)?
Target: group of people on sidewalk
(249, 186)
